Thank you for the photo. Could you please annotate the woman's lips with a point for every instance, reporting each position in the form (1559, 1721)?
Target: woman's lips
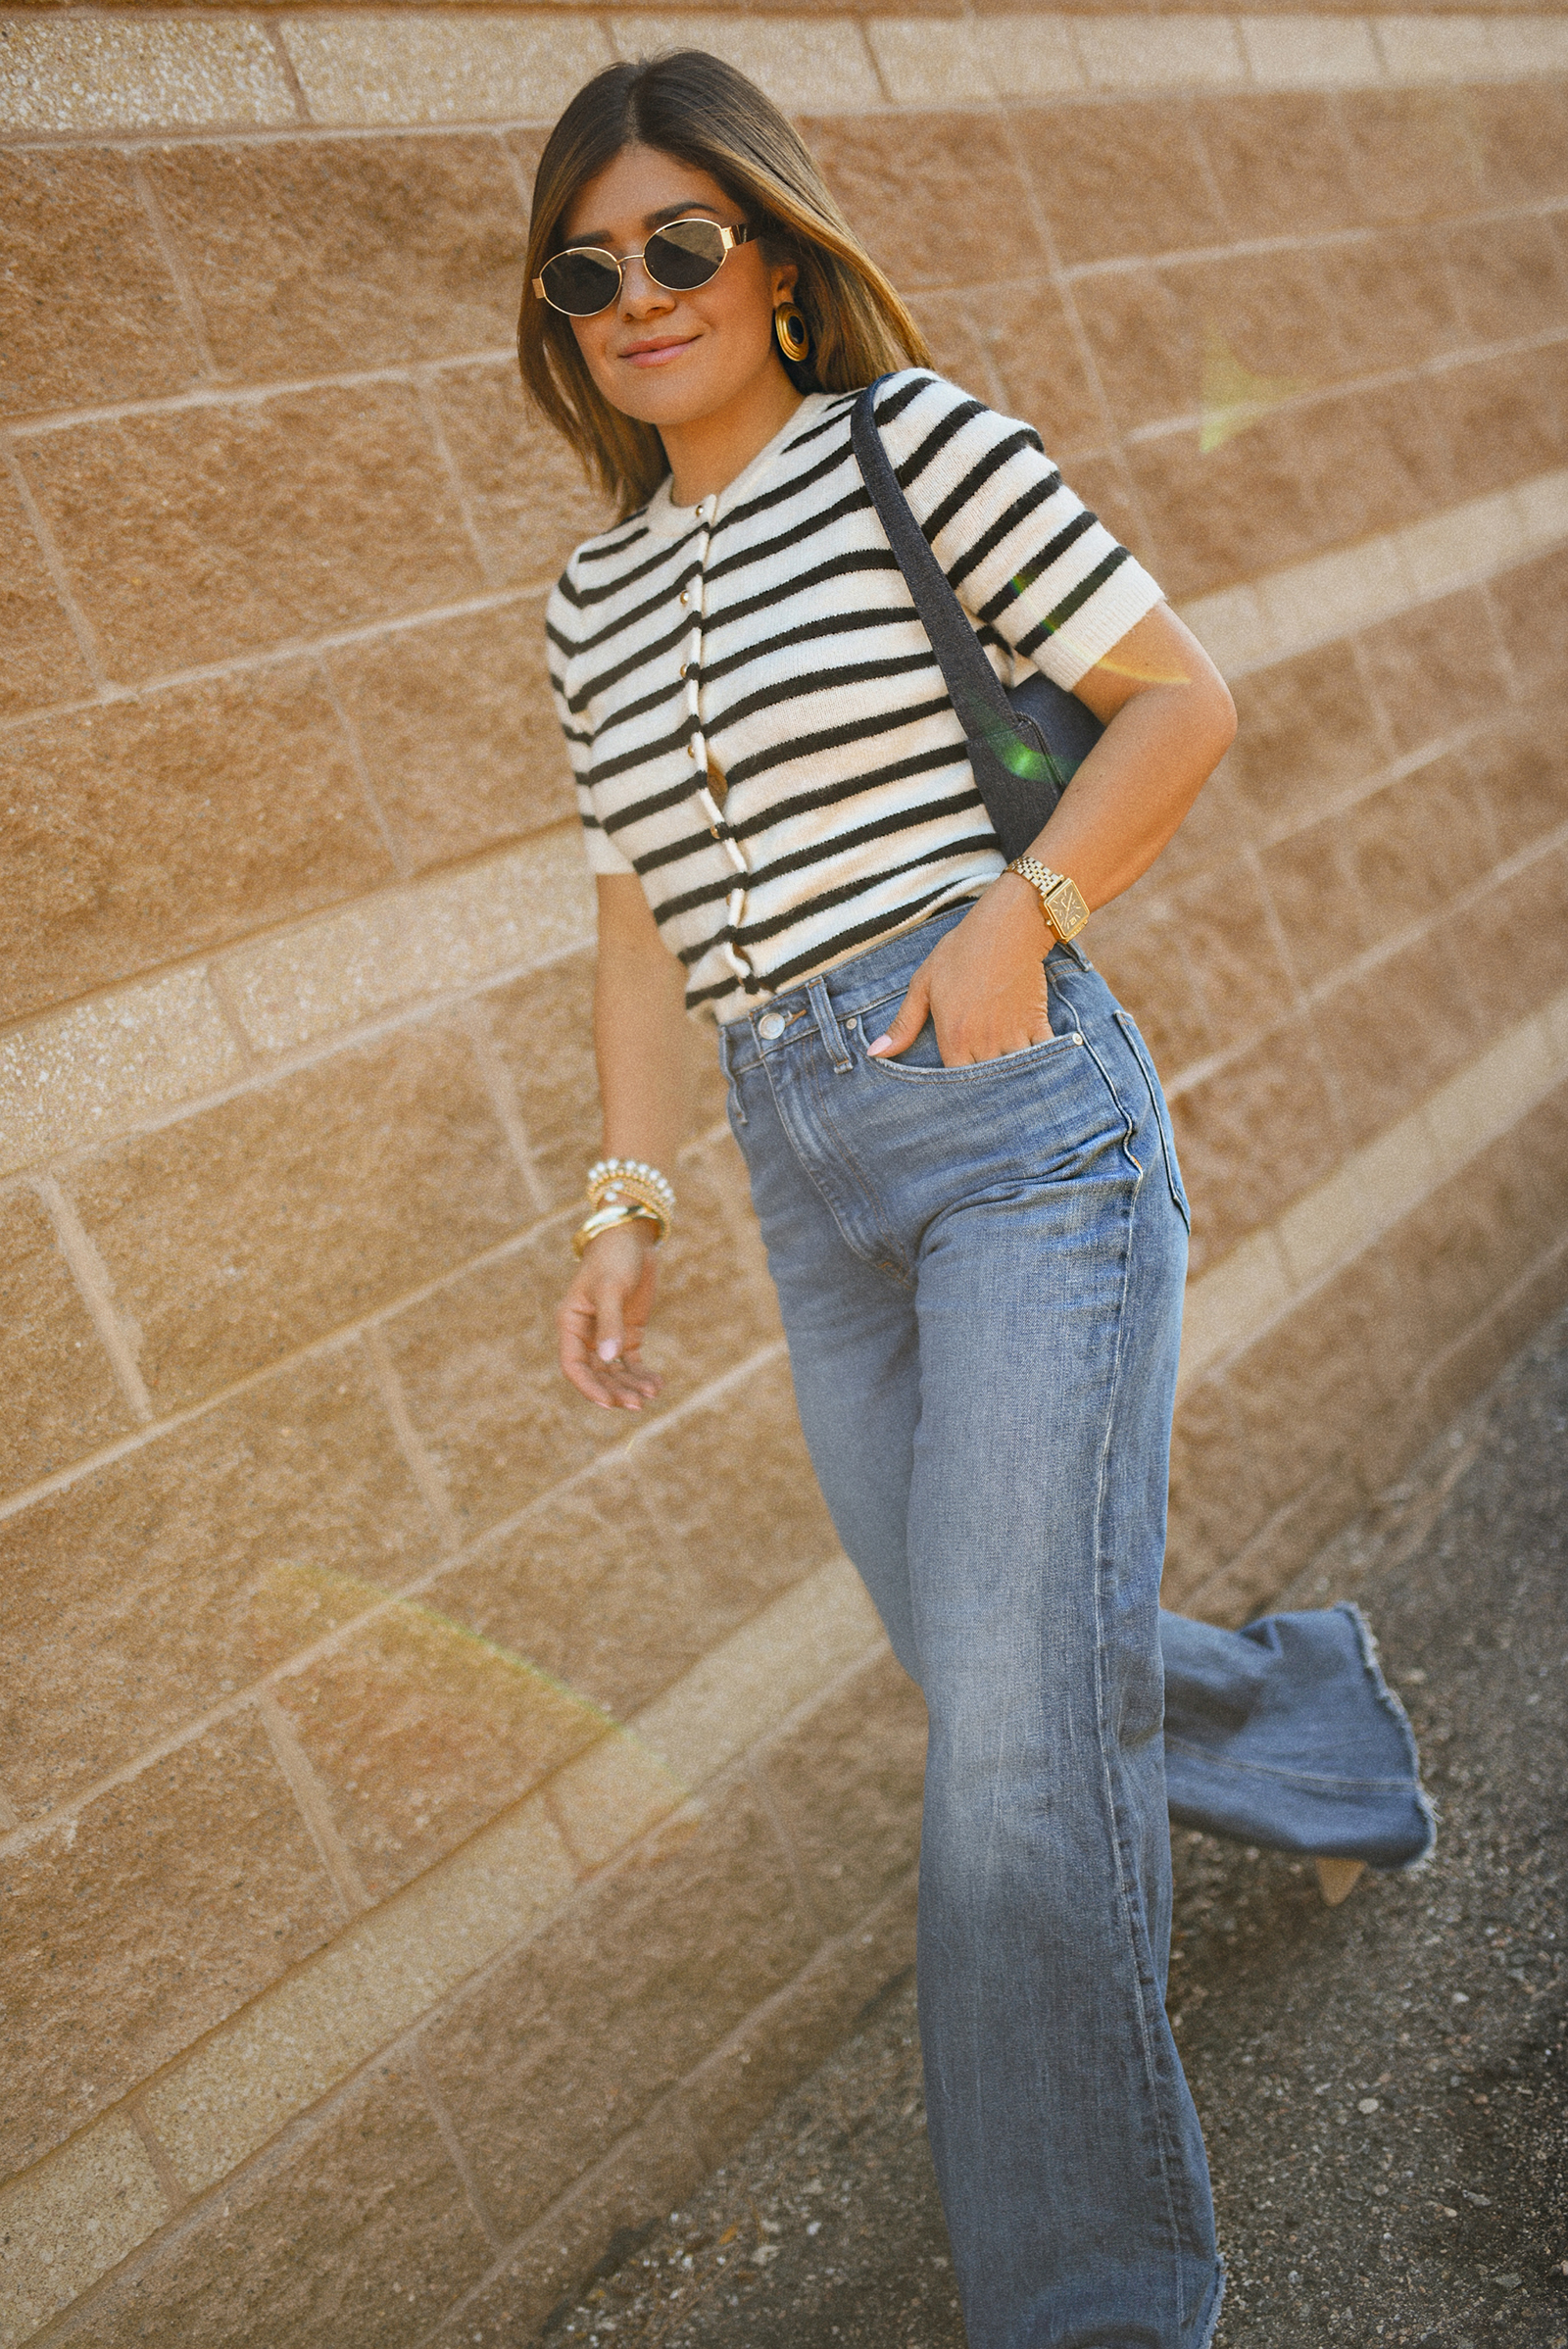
(652, 355)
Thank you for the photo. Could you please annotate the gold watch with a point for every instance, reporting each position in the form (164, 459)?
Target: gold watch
(1064, 907)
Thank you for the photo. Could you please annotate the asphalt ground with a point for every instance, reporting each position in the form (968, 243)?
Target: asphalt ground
(1383, 2086)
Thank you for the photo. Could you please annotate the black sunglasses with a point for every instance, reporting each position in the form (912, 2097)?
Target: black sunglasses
(586, 280)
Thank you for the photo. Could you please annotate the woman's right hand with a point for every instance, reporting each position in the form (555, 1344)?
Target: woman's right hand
(603, 1315)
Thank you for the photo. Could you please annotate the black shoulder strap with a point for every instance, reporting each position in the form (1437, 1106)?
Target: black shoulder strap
(1019, 779)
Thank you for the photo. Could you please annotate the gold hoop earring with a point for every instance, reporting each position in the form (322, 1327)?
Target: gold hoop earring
(790, 327)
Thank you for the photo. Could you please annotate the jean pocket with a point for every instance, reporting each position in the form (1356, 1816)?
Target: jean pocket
(922, 1063)
(1157, 1101)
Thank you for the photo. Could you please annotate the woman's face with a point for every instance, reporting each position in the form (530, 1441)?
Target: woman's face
(675, 359)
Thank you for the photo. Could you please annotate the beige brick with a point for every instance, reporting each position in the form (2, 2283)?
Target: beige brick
(1224, 1309)
(145, 1921)
(531, 501)
(358, 2235)
(260, 522)
(1536, 43)
(389, 1154)
(1333, 593)
(43, 660)
(478, 1359)
(1541, 505)
(115, 74)
(156, 828)
(457, 732)
(543, 1027)
(799, 60)
(450, 931)
(1306, 1389)
(88, 310)
(562, 2049)
(981, 230)
(1216, 1501)
(1299, 52)
(1026, 57)
(73, 2219)
(1372, 1190)
(308, 255)
(1175, 52)
(1308, 730)
(622, 1584)
(611, 1796)
(61, 1396)
(1253, 1133)
(1436, 48)
(848, 1783)
(1466, 542)
(434, 68)
(83, 1075)
(245, 2081)
(799, 2029)
(1494, 1092)
(750, 1684)
(1278, 159)
(925, 61)
(194, 1564)
(420, 1730)
(1232, 630)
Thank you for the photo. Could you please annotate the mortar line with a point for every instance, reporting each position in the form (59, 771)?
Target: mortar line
(432, 1485)
(498, 1083)
(398, 858)
(184, 288)
(92, 1280)
(762, 1785)
(441, 2114)
(490, 569)
(272, 26)
(59, 577)
(311, 1797)
(176, 2195)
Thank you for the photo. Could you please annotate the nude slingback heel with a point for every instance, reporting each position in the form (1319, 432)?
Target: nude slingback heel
(1337, 1880)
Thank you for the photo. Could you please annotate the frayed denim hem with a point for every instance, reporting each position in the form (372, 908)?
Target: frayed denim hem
(1393, 1704)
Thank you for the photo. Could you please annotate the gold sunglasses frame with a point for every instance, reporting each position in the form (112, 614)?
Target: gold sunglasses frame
(739, 236)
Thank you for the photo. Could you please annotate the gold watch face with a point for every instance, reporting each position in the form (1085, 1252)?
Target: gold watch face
(1068, 912)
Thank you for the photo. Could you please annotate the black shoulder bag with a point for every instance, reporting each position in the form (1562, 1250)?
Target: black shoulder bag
(1026, 741)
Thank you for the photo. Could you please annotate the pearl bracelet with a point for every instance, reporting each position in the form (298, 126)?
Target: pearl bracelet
(609, 1177)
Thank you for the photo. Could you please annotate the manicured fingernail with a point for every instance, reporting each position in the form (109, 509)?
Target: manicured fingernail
(882, 1045)
(608, 1349)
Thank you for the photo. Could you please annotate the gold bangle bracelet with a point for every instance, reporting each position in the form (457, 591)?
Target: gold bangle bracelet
(606, 1219)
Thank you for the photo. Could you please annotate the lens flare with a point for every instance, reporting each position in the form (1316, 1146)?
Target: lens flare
(1233, 398)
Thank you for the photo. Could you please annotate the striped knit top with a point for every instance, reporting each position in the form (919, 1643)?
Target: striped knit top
(756, 722)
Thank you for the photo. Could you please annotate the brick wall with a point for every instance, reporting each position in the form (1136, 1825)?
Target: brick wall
(434, 1825)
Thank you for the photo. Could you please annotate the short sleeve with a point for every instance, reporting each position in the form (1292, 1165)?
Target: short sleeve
(560, 615)
(1024, 554)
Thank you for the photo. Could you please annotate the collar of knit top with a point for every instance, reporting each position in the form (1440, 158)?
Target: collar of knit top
(666, 519)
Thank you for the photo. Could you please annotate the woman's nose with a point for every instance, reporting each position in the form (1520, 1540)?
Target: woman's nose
(640, 294)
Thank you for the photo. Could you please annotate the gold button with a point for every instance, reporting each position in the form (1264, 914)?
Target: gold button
(684, 597)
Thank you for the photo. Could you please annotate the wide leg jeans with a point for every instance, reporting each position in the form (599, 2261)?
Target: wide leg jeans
(981, 1273)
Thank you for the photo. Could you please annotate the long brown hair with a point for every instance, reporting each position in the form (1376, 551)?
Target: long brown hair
(704, 113)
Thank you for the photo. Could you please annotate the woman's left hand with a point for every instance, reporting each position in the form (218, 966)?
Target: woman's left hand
(984, 986)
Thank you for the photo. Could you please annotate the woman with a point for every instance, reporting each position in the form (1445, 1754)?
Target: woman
(958, 1150)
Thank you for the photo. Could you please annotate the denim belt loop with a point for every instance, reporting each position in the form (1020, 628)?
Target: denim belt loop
(829, 1028)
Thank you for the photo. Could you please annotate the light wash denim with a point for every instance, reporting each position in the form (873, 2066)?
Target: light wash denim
(981, 1273)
